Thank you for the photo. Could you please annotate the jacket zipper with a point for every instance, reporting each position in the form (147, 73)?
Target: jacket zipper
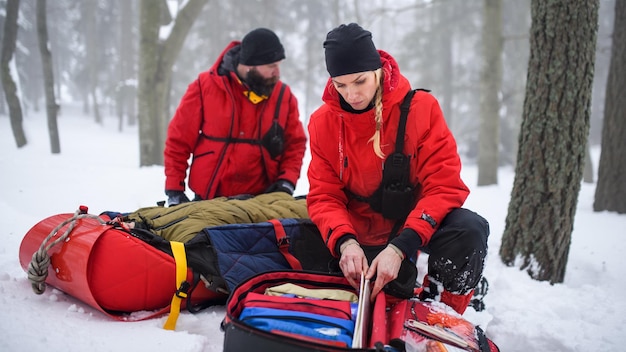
(343, 160)
(163, 227)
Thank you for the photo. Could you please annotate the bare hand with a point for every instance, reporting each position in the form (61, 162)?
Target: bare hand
(385, 266)
(352, 263)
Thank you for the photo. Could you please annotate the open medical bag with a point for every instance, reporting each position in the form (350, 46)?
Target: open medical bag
(274, 311)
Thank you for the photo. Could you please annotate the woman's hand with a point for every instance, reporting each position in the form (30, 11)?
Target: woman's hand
(352, 262)
(385, 266)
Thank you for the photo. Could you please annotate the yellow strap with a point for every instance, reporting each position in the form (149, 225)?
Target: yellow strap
(182, 286)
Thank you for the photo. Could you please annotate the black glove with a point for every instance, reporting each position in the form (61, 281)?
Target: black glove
(281, 186)
(408, 241)
(176, 197)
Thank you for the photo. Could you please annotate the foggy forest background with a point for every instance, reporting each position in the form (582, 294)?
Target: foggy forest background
(134, 59)
(94, 46)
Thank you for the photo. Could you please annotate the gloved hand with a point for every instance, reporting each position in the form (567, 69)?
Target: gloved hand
(281, 186)
(176, 197)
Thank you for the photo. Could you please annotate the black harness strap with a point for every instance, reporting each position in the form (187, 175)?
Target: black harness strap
(393, 172)
(404, 113)
(394, 197)
(257, 141)
(397, 161)
(280, 98)
(233, 140)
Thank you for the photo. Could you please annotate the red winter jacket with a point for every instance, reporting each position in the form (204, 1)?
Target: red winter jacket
(213, 110)
(343, 160)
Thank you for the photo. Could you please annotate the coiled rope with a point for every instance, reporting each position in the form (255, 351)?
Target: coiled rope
(38, 267)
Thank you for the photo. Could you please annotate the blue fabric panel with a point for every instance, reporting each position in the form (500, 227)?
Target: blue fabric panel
(302, 323)
(244, 250)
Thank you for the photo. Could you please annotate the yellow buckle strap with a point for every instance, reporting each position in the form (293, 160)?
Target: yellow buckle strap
(182, 286)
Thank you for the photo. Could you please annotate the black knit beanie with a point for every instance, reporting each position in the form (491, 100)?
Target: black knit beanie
(349, 49)
(261, 47)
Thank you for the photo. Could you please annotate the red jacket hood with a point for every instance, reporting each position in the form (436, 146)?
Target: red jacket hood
(216, 65)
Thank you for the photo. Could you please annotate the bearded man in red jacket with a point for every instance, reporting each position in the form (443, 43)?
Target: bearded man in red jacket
(239, 123)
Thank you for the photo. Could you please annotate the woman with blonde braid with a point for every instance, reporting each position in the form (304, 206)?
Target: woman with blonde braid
(376, 206)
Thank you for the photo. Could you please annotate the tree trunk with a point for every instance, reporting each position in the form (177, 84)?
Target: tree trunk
(553, 137)
(491, 77)
(93, 93)
(588, 169)
(611, 188)
(92, 53)
(515, 63)
(125, 89)
(8, 84)
(606, 22)
(46, 61)
(445, 41)
(156, 59)
(148, 67)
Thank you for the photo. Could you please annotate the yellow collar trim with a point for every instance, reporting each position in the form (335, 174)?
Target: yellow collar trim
(252, 96)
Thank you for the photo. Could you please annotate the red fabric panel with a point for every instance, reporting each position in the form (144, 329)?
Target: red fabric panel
(126, 274)
(326, 307)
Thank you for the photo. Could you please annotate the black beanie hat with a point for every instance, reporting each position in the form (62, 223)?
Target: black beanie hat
(349, 49)
(261, 47)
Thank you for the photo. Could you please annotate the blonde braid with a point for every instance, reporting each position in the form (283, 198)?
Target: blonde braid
(378, 117)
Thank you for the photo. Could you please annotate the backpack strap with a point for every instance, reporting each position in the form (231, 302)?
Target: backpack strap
(278, 101)
(404, 113)
(394, 169)
(283, 244)
(178, 249)
(398, 157)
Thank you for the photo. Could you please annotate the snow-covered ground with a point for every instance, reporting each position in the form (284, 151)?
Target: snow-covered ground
(98, 167)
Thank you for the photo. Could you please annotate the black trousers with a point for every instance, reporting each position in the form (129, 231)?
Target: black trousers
(457, 251)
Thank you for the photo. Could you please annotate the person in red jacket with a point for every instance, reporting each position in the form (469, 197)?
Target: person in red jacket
(373, 213)
(240, 124)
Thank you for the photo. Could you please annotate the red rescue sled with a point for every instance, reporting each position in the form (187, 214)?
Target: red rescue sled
(109, 269)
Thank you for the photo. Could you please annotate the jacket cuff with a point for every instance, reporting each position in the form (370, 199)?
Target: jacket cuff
(408, 241)
(172, 185)
(341, 240)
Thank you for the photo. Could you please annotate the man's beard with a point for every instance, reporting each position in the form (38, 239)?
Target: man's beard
(260, 85)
